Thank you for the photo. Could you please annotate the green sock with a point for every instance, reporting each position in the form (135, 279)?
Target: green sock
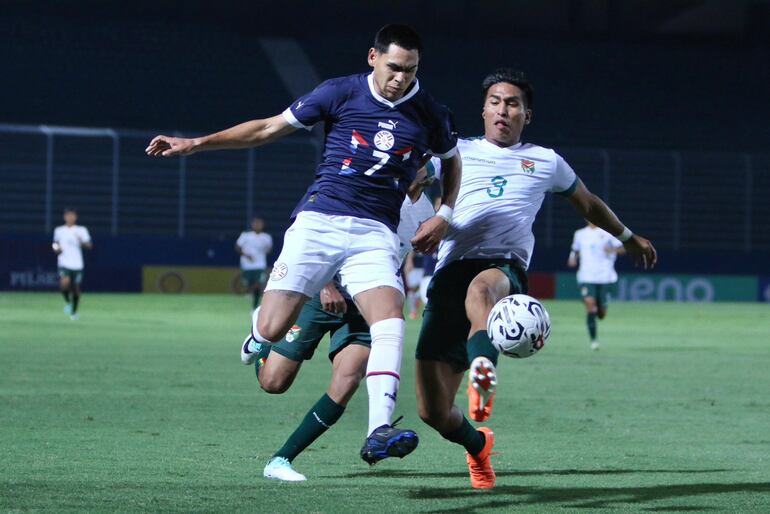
(480, 345)
(317, 421)
(467, 436)
(591, 322)
(257, 296)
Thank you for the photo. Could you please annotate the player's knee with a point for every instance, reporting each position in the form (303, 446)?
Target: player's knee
(271, 329)
(274, 384)
(479, 298)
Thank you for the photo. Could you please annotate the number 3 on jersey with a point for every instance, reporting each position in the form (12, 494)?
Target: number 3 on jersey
(499, 184)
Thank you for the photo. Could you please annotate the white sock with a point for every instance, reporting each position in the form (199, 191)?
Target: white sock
(255, 333)
(382, 370)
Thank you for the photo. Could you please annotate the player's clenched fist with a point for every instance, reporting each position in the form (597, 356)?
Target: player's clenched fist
(430, 234)
(170, 146)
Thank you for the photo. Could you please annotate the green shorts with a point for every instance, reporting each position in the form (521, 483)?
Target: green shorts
(445, 324)
(250, 277)
(75, 275)
(314, 323)
(601, 292)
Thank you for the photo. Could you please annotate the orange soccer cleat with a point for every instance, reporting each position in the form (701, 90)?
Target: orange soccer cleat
(480, 465)
(482, 383)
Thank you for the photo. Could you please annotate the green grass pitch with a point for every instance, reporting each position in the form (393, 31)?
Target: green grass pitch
(143, 406)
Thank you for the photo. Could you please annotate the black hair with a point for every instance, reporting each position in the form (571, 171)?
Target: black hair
(70, 209)
(510, 76)
(402, 35)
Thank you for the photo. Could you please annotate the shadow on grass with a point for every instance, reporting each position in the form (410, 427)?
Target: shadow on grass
(406, 473)
(582, 497)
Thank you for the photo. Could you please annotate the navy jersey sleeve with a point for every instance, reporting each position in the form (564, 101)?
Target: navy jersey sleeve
(318, 105)
(443, 142)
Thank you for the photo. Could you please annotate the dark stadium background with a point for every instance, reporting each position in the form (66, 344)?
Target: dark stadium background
(661, 107)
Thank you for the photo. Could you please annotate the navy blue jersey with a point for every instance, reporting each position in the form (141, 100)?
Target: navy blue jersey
(373, 146)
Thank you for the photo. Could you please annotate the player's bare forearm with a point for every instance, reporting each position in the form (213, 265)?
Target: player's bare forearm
(245, 135)
(420, 182)
(593, 208)
(451, 175)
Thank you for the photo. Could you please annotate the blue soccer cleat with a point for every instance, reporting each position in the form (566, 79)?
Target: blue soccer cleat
(388, 441)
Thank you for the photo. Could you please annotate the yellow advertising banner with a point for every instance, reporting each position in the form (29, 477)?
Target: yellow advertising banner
(191, 279)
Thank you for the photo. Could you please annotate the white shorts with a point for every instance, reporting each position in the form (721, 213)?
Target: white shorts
(316, 246)
(414, 278)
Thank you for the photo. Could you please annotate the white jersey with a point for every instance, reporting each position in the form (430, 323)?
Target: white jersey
(597, 265)
(256, 246)
(70, 240)
(501, 191)
(412, 214)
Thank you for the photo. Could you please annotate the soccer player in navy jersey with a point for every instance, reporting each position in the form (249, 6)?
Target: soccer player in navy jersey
(378, 127)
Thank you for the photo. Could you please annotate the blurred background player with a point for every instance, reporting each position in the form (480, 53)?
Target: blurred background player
(333, 312)
(68, 243)
(378, 127)
(596, 251)
(253, 246)
(484, 258)
(413, 275)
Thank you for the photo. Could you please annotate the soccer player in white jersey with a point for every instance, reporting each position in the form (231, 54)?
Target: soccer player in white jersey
(253, 246)
(68, 243)
(484, 258)
(596, 250)
(331, 312)
(378, 127)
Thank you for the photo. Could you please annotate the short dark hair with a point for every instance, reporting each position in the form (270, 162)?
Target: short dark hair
(70, 209)
(402, 35)
(510, 76)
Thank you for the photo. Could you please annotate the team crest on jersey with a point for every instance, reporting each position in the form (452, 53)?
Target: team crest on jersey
(527, 166)
(384, 140)
(293, 333)
(279, 271)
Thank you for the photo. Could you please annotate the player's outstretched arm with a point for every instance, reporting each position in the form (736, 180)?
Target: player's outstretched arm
(246, 135)
(593, 208)
(430, 233)
(572, 260)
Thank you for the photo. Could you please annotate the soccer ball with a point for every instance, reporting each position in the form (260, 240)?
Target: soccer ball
(518, 326)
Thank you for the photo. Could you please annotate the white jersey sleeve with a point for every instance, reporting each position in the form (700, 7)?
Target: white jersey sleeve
(412, 214)
(564, 179)
(241, 239)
